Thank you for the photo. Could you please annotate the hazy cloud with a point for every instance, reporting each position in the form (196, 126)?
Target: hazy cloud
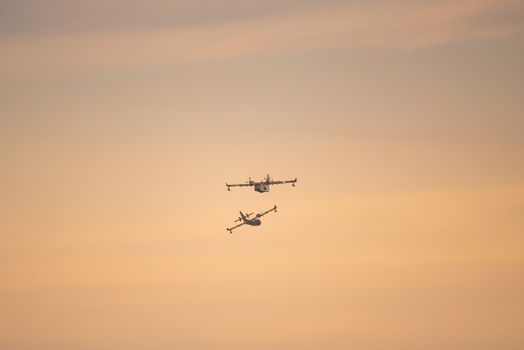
(399, 25)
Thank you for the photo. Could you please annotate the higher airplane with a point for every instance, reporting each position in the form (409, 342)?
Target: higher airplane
(263, 185)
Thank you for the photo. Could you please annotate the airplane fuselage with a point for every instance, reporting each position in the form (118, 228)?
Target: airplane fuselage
(253, 222)
(262, 187)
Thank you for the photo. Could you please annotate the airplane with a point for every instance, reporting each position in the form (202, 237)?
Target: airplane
(253, 222)
(263, 185)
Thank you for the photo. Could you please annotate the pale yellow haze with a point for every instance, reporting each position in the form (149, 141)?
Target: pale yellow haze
(121, 122)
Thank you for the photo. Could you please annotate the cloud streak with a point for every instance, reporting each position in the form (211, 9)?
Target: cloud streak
(389, 25)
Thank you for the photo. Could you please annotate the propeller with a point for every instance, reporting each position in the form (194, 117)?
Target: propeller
(267, 178)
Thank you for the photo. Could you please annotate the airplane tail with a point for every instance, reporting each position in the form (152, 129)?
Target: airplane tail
(243, 217)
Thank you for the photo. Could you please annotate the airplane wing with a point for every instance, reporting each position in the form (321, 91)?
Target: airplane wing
(267, 211)
(234, 227)
(239, 185)
(278, 182)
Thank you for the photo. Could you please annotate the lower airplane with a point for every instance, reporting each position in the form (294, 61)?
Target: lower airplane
(253, 222)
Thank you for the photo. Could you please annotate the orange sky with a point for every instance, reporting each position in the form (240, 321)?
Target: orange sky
(122, 120)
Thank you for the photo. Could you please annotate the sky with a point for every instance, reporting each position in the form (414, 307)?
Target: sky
(121, 122)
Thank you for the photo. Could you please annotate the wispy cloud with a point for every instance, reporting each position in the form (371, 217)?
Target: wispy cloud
(403, 25)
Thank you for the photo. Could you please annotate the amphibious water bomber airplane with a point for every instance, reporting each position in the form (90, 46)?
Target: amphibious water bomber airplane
(263, 185)
(253, 222)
